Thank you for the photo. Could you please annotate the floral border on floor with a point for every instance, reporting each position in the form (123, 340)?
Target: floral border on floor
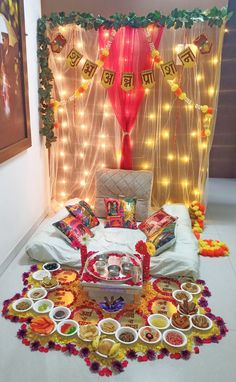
(159, 290)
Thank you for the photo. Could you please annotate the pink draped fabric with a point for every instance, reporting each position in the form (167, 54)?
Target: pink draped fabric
(129, 52)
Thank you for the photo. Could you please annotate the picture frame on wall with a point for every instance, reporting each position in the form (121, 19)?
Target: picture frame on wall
(15, 135)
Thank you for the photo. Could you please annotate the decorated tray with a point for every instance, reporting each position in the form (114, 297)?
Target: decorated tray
(113, 266)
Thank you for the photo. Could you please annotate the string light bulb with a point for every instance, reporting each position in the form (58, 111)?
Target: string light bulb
(166, 106)
(193, 134)
(185, 183)
(64, 140)
(165, 134)
(185, 159)
(170, 157)
(215, 60)
(152, 116)
(165, 182)
(199, 77)
(81, 155)
(64, 124)
(65, 168)
(59, 77)
(82, 183)
(196, 192)
(211, 90)
(62, 154)
(145, 166)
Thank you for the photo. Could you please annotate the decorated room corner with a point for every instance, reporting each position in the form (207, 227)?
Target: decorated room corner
(128, 107)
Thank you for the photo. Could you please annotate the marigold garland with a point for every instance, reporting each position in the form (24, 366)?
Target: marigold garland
(197, 215)
(213, 248)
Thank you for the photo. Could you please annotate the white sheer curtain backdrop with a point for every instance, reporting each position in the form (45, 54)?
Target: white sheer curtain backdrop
(166, 138)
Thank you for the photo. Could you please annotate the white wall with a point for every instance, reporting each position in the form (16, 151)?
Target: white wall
(23, 178)
(141, 7)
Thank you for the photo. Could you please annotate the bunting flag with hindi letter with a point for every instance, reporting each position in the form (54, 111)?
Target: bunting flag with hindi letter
(88, 70)
(187, 58)
(73, 58)
(169, 70)
(108, 78)
(127, 81)
(148, 79)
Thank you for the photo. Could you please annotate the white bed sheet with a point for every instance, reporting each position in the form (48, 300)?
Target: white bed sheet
(181, 260)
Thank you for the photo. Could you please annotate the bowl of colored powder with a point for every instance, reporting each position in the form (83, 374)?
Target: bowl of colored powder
(159, 321)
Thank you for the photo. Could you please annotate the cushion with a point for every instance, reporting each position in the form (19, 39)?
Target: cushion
(115, 183)
(83, 211)
(164, 239)
(72, 230)
(120, 213)
(153, 226)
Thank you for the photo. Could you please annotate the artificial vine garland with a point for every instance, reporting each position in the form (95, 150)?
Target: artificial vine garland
(176, 19)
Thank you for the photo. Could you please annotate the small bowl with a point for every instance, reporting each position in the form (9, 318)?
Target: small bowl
(193, 293)
(113, 270)
(182, 330)
(40, 303)
(116, 323)
(188, 295)
(151, 329)
(67, 313)
(202, 329)
(126, 268)
(34, 290)
(39, 275)
(125, 329)
(186, 314)
(100, 266)
(89, 340)
(49, 265)
(23, 299)
(70, 322)
(158, 316)
(102, 257)
(104, 355)
(178, 332)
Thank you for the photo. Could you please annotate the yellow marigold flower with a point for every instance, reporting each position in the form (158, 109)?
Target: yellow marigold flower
(204, 108)
(151, 248)
(174, 87)
(183, 96)
(105, 52)
(99, 63)
(155, 53)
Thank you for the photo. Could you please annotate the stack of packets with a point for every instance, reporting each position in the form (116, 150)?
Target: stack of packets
(160, 230)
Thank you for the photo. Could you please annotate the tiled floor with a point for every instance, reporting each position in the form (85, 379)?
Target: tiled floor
(214, 363)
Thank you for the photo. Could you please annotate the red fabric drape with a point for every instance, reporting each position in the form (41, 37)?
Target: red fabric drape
(129, 52)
